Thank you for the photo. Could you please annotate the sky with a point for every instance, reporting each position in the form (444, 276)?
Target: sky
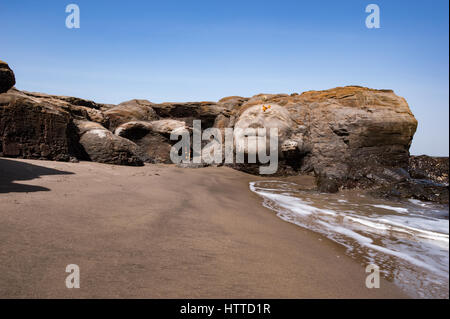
(205, 50)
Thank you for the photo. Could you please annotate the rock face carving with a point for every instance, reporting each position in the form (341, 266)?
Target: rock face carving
(265, 118)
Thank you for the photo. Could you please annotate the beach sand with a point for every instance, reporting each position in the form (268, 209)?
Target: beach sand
(160, 231)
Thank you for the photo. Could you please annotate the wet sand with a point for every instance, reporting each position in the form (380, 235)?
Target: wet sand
(159, 231)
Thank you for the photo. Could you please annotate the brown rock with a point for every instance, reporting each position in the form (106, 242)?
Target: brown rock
(32, 128)
(104, 147)
(187, 112)
(152, 138)
(347, 131)
(7, 78)
(134, 110)
(427, 167)
(232, 102)
(81, 110)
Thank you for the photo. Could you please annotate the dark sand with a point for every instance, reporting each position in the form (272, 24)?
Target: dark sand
(159, 232)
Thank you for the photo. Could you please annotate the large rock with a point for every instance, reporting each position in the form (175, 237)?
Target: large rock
(33, 128)
(354, 131)
(7, 79)
(103, 146)
(347, 132)
(189, 111)
(78, 109)
(232, 102)
(152, 138)
(134, 110)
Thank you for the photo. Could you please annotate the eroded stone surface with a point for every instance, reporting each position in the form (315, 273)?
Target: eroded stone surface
(7, 78)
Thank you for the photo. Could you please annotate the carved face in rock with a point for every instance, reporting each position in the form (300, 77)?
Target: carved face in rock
(261, 116)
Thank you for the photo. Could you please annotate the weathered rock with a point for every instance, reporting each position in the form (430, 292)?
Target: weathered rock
(232, 102)
(427, 167)
(167, 126)
(347, 132)
(82, 110)
(152, 138)
(134, 110)
(7, 78)
(326, 184)
(33, 128)
(104, 147)
(420, 189)
(187, 112)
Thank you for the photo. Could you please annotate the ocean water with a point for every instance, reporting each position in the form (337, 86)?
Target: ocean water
(408, 240)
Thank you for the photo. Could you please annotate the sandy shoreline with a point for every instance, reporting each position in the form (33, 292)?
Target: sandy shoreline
(159, 231)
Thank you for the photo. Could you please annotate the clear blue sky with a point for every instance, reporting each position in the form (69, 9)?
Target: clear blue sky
(204, 50)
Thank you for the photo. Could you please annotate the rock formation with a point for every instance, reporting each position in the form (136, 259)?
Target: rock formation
(435, 169)
(347, 136)
(7, 79)
(103, 146)
(152, 137)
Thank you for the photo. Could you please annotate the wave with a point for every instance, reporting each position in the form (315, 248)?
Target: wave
(408, 240)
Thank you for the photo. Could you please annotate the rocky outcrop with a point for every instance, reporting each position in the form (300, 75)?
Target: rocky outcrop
(344, 133)
(32, 128)
(435, 169)
(134, 110)
(349, 131)
(187, 112)
(7, 78)
(78, 109)
(103, 146)
(152, 138)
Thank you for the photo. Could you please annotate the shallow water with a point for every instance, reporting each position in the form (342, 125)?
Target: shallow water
(408, 240)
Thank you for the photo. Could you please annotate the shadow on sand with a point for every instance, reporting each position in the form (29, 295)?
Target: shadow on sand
(11, 171)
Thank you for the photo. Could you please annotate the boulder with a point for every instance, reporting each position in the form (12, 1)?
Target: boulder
(34, 128)
(326, 184)
(345, 133)
(187, 112)
(232, 102)
(134, 110)
(7, 78)
(152, 138)
(79, 109)
(103, 146)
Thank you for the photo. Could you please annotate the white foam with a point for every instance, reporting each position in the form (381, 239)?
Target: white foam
(410, 233)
